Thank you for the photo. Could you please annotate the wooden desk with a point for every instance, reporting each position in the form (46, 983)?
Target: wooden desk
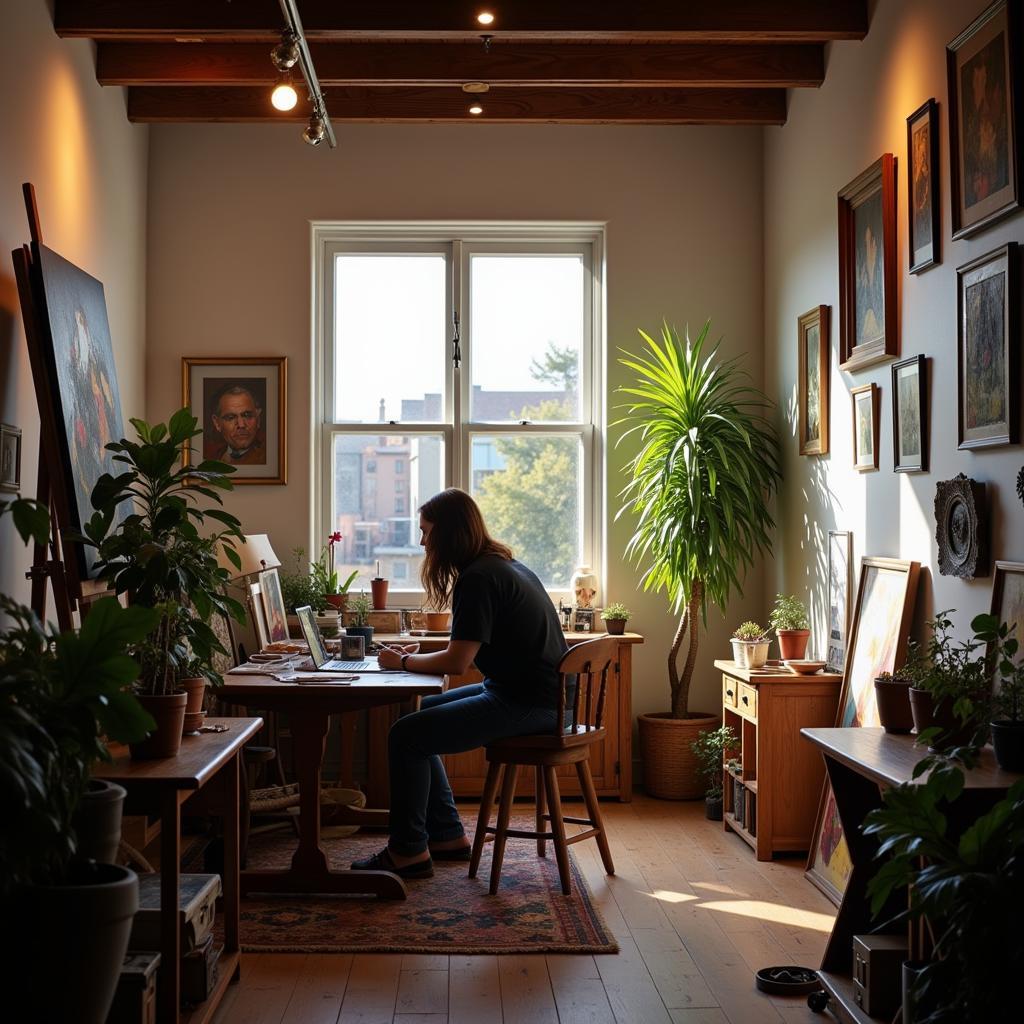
(207, 762)
(861, 764)
(309, 707)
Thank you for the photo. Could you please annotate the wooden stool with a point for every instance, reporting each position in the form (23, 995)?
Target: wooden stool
(584, 671)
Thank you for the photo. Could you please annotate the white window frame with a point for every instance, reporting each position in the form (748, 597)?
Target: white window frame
(458, 241)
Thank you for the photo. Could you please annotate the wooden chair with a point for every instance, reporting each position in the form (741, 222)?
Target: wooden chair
(570, 743)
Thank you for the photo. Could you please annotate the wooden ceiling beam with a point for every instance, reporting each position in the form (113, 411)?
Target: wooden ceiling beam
(260, 20)
(505, 106)
(709, 65)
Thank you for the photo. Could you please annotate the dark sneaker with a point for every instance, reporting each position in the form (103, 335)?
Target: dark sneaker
(382, 862)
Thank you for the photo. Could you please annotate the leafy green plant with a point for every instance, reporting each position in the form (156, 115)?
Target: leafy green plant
(1001, 647)
(300, 587)
(325, 576)
(751, 633)
(710, 748)
(789, 612)
(360, 607)
(616, 611)
(699, 485)
(968, 887)
(157, 554)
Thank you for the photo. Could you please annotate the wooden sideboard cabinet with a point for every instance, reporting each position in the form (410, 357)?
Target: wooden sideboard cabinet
(779, 784)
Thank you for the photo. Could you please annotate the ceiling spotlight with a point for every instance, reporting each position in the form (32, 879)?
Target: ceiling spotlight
(284, 96)
(475, 87)
(485, 18)
(286, 54)
(476, 109)
(315, 132)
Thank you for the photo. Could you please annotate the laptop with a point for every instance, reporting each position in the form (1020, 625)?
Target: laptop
(322, 661)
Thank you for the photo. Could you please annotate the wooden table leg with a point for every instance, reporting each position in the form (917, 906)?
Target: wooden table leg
(232, 848)
(169, 978)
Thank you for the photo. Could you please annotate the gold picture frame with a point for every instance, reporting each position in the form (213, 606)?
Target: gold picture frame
(813, 344)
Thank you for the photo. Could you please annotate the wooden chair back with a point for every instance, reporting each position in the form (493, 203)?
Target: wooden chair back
(581, 704)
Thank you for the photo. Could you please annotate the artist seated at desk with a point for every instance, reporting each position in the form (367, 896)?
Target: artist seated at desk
(503, 619)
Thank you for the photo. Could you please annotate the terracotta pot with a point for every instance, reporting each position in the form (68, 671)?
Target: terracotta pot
(615, 627)
(195, 691)
(927, 714)
(97, 821)
(337, 601)
(165, 741)
(670, 765)
(793, 643)
(892, 697)
(379, 593)
(437, 620)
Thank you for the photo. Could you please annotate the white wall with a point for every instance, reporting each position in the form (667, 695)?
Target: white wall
(831, 136)
(229, 267)
(71, 139)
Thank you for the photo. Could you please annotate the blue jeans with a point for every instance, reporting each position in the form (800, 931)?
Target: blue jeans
(422, 806)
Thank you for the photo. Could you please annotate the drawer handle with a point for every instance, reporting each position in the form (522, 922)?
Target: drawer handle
(745, 699)
(728, 693)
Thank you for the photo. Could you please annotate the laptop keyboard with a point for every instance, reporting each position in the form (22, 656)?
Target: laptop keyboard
(349, 666)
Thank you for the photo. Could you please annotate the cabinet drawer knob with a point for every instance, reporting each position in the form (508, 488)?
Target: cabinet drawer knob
(729, 693)
(746, 699)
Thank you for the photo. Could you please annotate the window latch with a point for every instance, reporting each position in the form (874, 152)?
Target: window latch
(456, 349)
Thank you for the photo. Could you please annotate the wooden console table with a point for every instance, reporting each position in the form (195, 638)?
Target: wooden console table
(861, 764)
(206, 763)
(781, 776)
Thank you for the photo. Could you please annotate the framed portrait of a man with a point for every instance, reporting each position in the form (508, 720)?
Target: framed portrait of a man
(241, 404)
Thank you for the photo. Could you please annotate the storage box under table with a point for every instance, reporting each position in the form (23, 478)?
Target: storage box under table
(877, 963)
(196, 904)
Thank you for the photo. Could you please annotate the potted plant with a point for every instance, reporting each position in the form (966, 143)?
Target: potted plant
(892, 697)
(157, 556)
(379, 590)
(359, 614)
(711, 749)
(615, 617)
(301, 587)
(699, 486)
(1007, 712)
(750, 645)
(967, 884)
(951, 688)
(792, 627)
(325, 577)
(59, 692)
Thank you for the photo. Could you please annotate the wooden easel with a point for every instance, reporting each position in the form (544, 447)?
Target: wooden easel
(70, 591)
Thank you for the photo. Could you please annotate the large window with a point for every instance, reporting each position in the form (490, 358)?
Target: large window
(506, 404)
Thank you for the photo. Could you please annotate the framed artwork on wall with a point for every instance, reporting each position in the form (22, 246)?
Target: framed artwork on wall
(10, 458)
(840, 583)
(961, 527)
(984, 80)
(868, 311)
(242, 407)
(924, 223)
(812, 340)
(273, 606)
(910, 415)
(882, 615)
(1008, 600)
(866, 400)
(988, 349)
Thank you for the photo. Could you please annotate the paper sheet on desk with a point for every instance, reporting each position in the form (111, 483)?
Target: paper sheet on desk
(314, 677)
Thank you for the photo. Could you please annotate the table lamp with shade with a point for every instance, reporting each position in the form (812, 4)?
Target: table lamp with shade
(256, 555)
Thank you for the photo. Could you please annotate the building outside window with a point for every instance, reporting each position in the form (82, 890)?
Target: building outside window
(516, 423)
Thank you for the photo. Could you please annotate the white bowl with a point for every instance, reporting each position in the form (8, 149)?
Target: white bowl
(804, 666)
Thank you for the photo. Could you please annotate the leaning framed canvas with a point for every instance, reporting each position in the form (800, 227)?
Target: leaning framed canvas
(812, 341)
(259, 619)
(983, 73)
(923, 221)
(910, 415)
(988, 349)
(1008, 600)
(840, 582)
(242, 408)
(865, 427)
(868, 310)
(828, 862)
(273, 606)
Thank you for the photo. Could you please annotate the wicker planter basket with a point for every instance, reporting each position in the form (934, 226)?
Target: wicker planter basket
(670, 766)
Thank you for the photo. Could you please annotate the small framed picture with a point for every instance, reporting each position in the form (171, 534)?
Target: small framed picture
(10, 458)
(812, 339)
(259, 621)
(840, 581)
(273, 606)
(242, 408)
(868, 311)
(583, 621)
(865, 427)
(923, 187)
(910, 415)
(985, 145)
(988, 349)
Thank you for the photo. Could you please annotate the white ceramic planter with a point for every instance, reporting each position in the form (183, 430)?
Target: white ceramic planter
(750, 653)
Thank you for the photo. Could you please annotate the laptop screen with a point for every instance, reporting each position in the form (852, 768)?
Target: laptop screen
(311, 632)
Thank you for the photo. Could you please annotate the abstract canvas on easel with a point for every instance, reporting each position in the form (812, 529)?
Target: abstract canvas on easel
(86, 399)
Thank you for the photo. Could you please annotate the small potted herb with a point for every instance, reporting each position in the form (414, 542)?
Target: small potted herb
(792, 627)
(710, 748)
(892, 697)
(358, 613)
(615, 617)
(750, 645)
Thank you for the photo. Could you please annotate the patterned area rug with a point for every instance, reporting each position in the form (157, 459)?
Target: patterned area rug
(449, 913)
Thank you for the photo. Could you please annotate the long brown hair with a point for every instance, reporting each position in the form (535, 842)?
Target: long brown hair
(457, 537)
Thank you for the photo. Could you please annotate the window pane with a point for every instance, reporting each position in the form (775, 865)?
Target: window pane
(389, 313)
(376, 510)
(527, 322)
(528, 489)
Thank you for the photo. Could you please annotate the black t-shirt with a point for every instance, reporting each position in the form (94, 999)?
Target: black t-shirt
(503, 605)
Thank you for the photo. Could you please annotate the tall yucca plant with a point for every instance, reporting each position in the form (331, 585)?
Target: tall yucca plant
(708, 462)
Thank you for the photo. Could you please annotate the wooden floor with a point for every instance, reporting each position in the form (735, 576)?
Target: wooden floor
(693, 912)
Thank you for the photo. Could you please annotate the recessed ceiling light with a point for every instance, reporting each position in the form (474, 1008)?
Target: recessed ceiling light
(475, 109)
(475, 87)
(485, 18)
